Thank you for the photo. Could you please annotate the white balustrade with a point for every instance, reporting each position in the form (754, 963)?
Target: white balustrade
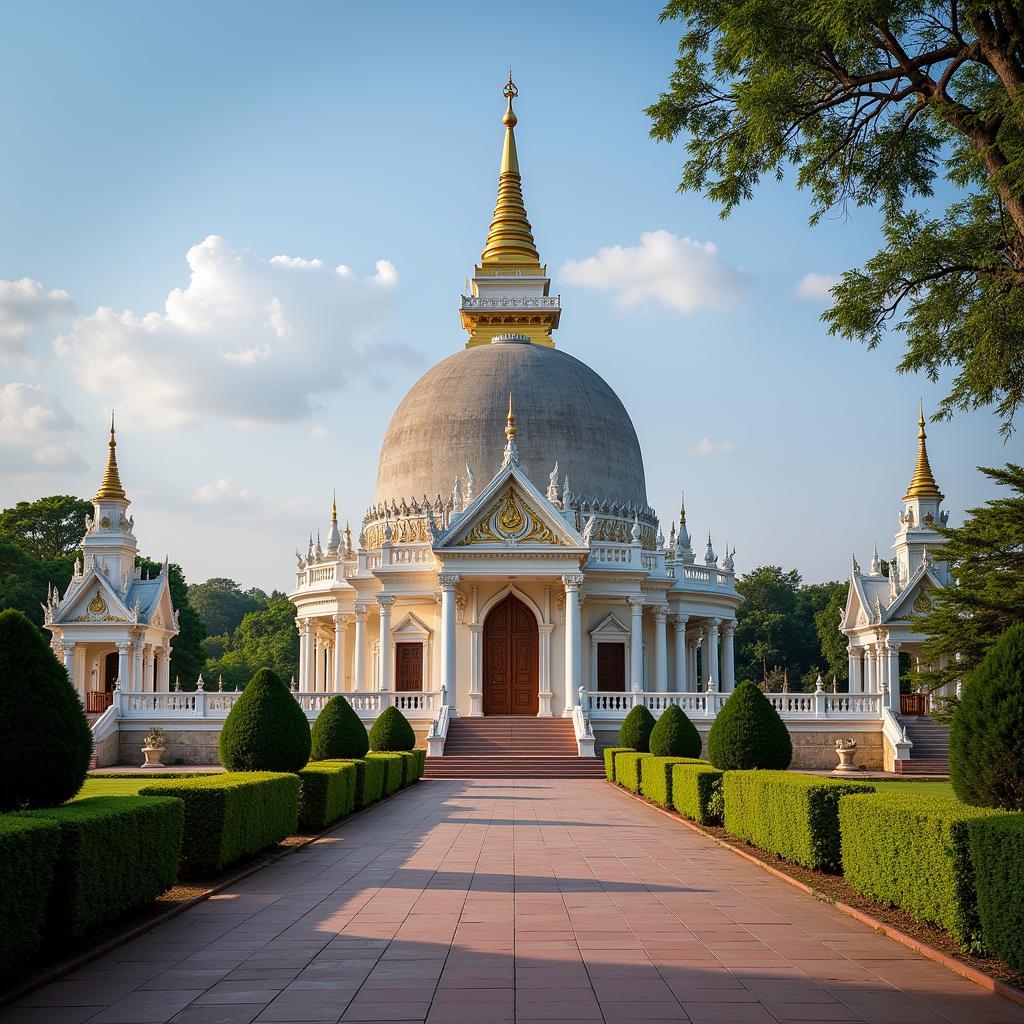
(701, 704)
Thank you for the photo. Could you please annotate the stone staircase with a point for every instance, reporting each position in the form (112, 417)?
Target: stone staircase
(930, 752)
(512, 747)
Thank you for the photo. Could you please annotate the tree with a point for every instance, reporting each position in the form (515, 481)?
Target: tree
(986, 741)
(187, 658)
(222, 605)
(338, 732)
(832, 642)
(749, 733)
(45, 742)
(266, 730)
(266, 638)
(24, 579)
(986, 558)
(392, 731)
(674, 735)
(47, 529)
(872, 103)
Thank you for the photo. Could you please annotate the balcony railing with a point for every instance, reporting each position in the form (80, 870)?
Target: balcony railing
(602, 704)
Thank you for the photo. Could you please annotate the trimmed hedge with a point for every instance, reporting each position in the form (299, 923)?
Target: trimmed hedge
(391, 732)
(231, 816)
(697, 792)
(327, 792)
(338, 732)
(795, 816)
(674, 735)
(656, 778)
(409, 766)
(393, 768)
(609, 760)
(116, 853)
(913, 852)
(369, 780)
(28, 856)
(996, 846)
(635, 731)
(627, 769)
(749, 733)
(420, 753)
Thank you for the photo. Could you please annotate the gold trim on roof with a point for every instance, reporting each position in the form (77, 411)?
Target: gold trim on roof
(510, 521)
(111, 488)
(922, 484)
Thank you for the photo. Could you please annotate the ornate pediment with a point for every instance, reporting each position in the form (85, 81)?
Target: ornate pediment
(510, 521)
(95, 601)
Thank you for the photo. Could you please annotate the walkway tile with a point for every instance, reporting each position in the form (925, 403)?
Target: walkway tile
(495, 902)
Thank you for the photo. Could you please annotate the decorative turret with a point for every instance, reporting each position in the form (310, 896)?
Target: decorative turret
(510, 288)
(710, 558)
(511, 448)
(110, 488)
(334, 535)
(922, 483)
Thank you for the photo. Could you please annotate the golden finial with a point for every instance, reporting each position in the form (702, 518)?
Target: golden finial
(510, 92)
(682, 509)
(510, 423)
(922, 484)
(334, 506)
(111, 485)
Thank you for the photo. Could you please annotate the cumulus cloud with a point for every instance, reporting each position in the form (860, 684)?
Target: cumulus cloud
(681, 274)
(32, 424)
(28, 309)
(250, 340)
(816, 287)
(222, 492)
(706, 448)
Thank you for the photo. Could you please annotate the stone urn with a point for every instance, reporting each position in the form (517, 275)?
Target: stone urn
(153, 748)
(846, 751)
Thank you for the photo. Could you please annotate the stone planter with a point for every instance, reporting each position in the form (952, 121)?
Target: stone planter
(846, 751)
(152, 756)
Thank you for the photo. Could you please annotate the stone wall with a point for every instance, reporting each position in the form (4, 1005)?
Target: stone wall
(191, 746)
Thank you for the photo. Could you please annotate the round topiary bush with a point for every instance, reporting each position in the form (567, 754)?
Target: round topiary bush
(266, 730)
(338, 733)
(45, 741)
(986, 740)
(392, 731)
(748, 733)
(635, 731)
(674, 735)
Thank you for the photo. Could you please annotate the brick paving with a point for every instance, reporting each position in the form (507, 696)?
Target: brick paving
(497, 901)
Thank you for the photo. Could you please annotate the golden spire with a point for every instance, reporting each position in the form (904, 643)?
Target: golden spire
(922, 484)
(111, 485)
(334, 506)
(510, 423)
(510, 238)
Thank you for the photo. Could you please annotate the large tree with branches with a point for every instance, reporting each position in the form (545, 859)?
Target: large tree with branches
(871, 102)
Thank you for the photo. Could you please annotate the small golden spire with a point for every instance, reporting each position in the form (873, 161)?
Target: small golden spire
(682, 509)
(922, 484)
(334, 506)
(111, 485)
(510, 423)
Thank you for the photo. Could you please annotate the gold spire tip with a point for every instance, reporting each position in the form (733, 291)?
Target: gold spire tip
(922, 484)
(510, 423)
(510, 92)
(110, 487)
(334, 507)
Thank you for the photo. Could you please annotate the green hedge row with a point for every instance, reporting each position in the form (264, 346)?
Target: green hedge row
(28, 856)
(656, 778)
(393, 769)
(627, 769)
(996, 846)
(610, 754)
(793, 815)
(231, 816)
(697, 792)
(327, 792)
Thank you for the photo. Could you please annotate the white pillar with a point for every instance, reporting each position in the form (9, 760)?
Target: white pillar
(573, 653)
(300, 625)
(309, 661)
(387, 661)
(448, 582)
(660, 650)
(149, 669)
(338, 676)
(712, 637)
(856, 682)
(69, 661)
(137, 666)
(164, 678)
(892, 657)
(359, 682)
(636, 643)
(691, 670)
(122, 664)
(728, 656)
(544, 658)
(318, 661)
(680, 684)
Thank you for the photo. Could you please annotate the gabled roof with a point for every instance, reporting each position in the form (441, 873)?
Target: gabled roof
(94, 600)
(905, 605)
(151, 594)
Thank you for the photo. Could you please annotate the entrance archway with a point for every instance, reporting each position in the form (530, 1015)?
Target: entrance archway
(510, 682)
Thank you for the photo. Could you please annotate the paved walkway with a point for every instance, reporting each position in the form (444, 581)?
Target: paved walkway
(498, 901)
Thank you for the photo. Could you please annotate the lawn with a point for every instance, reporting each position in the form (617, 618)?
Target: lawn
(915, 786)
(112, 787)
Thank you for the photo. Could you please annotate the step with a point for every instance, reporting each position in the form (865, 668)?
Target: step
(922, 767)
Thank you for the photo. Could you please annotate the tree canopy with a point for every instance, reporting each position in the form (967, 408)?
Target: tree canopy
(222, 604)
(48, 528)
(265, 638)
(871, 104)
(187, 646)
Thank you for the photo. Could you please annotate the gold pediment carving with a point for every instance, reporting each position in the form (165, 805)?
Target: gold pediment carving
(510, 521)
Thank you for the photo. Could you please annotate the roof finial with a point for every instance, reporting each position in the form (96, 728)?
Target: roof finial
(110, 487)
(510, 423)
(682, 508)
(922, 484)
(334, 506)
(510, 92)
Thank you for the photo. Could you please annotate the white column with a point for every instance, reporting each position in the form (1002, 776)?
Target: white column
(149, 669)
(69, 661)
(856, 682)
(660, 650)
(680, 684)
(892, 657)
(309, 661)
(359, 682)
(387, 661)
(318, 655)
(164, 678)
(691, 671)
(137, 665)
(122, 664)
(544, 658)
(476, 635)
(448, 582)
(573, 653)
(728, 656)
(338, 675)
(300, 625)
(636, 643)
(870, 675)
(712, 637)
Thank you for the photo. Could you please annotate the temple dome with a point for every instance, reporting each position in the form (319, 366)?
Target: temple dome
(456, 412)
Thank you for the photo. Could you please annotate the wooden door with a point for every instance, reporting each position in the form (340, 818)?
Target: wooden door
(409, 666)
(611, 667)
(510, 685)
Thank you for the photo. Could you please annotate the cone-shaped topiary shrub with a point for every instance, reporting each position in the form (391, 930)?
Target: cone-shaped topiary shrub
(338, 733)
(635, 731)
(674, 735)
(266, 730)
(392, 731)
(986, 740)
(45, 742)
(748, 733)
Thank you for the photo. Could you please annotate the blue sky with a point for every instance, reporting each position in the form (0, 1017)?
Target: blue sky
(352, 134)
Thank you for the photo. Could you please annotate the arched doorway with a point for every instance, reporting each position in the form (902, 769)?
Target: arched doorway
(510, 685)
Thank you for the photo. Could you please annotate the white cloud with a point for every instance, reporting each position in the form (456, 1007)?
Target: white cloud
(222, 492)
(816, 287)
(25, 308)
(706, 448)
(319, 431)
(250, 340)
(681, 274)
(32, 422)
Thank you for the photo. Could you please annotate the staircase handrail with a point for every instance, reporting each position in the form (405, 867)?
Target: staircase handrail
(896, 733)
(582, 729)
(104, 726)
(438, 732)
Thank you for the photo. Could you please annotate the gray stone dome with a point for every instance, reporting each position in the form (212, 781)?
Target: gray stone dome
(455, 413)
